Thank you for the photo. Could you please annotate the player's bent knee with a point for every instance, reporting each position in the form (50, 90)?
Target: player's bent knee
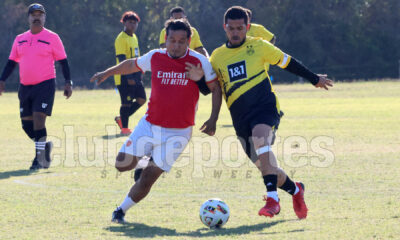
(125, 162)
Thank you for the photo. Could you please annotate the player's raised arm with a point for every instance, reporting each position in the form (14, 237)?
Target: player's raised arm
(124, 68)
(295, 67)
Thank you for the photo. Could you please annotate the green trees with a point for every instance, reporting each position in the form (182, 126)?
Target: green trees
(348, 39)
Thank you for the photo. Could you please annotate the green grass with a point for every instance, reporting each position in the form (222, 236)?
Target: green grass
(355, 196)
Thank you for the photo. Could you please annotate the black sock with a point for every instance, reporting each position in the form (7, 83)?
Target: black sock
(270, 181)
(40, 144)
(27, 125)
(133, 108)
(124, 113)
(289, 186)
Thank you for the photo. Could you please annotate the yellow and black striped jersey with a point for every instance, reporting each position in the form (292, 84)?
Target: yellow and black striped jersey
(195, 41)
(128, 46)
(242, 76)
(257, 30)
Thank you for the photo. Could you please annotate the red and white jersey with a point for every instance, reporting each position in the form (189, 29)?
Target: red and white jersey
(174, 97)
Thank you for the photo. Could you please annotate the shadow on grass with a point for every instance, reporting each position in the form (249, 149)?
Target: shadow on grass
(144, 231)
(18, 173)
(109, 137)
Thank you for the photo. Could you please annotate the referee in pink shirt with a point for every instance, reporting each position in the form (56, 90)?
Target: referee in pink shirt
(35, 51)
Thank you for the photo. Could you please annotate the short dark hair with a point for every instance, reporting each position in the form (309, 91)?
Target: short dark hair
(130, 15)
(236, 12)
(176, 10)
(178, 24)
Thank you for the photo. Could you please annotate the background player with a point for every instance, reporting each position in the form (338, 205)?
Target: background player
(130, 87)
(178, 74)
(253, 105)
(35, 51)
(195, 42)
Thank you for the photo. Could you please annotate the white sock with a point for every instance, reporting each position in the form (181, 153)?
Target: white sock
(297, 190)
(273, 195)
(127, 203)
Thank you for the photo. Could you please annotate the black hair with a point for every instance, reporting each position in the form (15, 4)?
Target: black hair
(178, 24)
(176, 10)
(130, 15)
(236, 12)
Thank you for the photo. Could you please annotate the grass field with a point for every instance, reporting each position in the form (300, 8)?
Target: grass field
(352, 179)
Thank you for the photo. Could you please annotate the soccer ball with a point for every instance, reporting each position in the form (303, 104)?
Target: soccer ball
(214, 213)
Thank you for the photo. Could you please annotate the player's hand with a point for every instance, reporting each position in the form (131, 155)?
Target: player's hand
(67, 90)
(2, 87)
(209, 127)
(194, 72)
(324, 82)
(99, 77)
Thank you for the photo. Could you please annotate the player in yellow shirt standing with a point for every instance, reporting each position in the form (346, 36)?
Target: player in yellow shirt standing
(253, 105)
(130, 86)
(195, 42)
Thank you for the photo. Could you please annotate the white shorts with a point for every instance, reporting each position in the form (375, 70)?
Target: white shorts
(165, 145)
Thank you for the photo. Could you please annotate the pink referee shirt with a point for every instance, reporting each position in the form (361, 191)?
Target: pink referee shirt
(36, 54)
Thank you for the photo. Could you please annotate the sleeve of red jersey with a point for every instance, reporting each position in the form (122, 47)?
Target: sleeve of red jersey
(209, 73)
(14, 53)
(144, 62)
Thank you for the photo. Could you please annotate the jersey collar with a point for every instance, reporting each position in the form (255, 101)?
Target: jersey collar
(227, 45)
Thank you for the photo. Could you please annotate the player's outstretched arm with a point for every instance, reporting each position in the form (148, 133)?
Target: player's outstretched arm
(124, 68)
(318, 80)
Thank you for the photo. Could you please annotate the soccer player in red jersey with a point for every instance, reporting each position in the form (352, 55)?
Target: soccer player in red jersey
(178, 73)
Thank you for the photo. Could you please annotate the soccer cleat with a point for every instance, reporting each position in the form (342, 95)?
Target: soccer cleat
(299, 206)
(118, 121)
(126, 132)
(270, 209)
(35, 165)
(118, 216)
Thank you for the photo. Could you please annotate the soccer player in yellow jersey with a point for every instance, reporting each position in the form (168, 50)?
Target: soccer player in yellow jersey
(130, 86)
(194, 42)
(257, 30)
(254, 107)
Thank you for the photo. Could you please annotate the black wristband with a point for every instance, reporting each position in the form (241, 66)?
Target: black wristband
(299, 69)
(8, 69)
(203, 86)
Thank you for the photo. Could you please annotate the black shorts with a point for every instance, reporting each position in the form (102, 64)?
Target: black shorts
(266, 114)
(37, 98)
(128, 93)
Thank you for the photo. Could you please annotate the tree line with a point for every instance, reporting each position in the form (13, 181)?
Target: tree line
(347, 39)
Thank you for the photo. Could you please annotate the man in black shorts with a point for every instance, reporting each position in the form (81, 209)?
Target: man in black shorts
(130, 86)
(35, 51)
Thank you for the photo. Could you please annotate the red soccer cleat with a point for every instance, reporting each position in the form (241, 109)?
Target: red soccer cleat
(299, 206)
(118, 121)
(271, 208)
(126, 131)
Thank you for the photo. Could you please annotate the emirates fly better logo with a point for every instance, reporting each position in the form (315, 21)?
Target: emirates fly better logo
(172, 78)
